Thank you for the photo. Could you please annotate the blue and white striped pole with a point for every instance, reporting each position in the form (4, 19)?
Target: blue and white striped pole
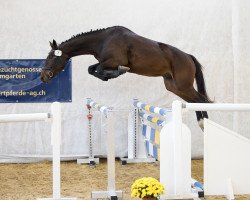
(97, 106)
(153, 109)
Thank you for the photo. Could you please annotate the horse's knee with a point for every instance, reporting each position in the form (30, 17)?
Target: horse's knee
(99, 69)
(92, 69)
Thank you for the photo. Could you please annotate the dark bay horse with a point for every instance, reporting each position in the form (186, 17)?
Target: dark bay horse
(119, 50)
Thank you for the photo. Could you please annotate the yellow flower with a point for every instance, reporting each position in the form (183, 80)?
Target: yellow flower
(146, 187)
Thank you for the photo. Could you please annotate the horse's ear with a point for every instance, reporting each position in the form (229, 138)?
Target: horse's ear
(51, 45)
(55, 44)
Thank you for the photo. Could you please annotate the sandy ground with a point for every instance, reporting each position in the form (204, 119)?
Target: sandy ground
(30, 181)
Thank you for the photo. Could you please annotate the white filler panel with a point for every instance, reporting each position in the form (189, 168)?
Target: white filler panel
(226, 161)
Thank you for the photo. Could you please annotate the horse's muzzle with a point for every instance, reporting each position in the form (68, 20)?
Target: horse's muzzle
(46, 76)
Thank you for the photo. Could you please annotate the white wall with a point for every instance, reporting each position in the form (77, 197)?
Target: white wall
(213, 31)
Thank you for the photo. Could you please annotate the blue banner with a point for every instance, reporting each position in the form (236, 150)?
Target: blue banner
(20, 83)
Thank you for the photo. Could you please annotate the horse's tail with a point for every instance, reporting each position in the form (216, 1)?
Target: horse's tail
(201, 87)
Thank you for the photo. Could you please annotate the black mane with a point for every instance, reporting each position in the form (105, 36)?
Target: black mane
(86, 33)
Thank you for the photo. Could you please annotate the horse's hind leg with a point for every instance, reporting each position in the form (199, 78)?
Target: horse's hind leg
(190, 95)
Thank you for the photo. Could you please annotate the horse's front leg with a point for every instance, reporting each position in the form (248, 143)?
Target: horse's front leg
(111, 72)
(97, 73)
(92, 68)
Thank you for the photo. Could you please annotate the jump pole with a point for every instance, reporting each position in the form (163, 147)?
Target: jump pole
(55, 118)
(216, 107)
(24, 117)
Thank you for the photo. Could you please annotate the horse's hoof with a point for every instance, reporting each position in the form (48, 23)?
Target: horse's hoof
(122, 69)
(201, 124)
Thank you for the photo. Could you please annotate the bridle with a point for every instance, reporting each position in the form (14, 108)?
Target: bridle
(59, 55)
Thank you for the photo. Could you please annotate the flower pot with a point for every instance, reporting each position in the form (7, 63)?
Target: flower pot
(149, 198)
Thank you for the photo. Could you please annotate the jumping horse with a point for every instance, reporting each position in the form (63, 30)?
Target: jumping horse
(119, 50)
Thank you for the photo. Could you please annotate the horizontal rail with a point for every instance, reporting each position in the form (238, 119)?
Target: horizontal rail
(150, 108)
(216, 107)
(24, 117)
(97, 106)
(154, 120)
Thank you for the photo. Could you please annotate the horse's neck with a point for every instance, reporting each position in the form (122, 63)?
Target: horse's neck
(82, 45)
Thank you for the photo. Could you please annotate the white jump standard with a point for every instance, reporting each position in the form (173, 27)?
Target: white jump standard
(111, 192)
(136, 150)
(55, 118)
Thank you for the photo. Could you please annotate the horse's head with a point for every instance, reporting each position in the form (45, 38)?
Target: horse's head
(54, 63)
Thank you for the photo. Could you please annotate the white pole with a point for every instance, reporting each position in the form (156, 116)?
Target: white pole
(111, 153)
(175, 156)
(236, 58)
(56, 143)
(111, 193)
(177, 128)
(24, 117)
(217, 107)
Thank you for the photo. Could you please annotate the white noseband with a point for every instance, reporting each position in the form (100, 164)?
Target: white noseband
(58, 53)
(51, 74)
